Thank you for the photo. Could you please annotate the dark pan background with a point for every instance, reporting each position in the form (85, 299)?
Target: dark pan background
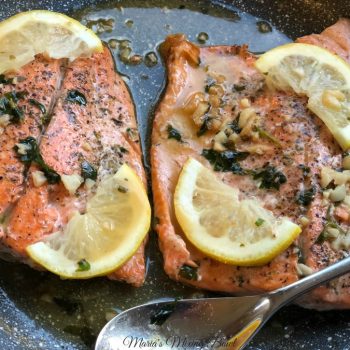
(292, 328)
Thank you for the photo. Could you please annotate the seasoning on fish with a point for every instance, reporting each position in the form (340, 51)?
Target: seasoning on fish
(82, 138)
(284, 146)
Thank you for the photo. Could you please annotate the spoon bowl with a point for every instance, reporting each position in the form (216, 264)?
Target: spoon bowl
(207, 323)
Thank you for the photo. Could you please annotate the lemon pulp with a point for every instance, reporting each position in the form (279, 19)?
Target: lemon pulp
(317, 73)
(223, 226)
(116, 221)
(43, 32)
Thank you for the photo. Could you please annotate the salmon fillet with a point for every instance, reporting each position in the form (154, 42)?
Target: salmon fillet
(23, 120)
(286, 138)
(93, 121)
(317, 254)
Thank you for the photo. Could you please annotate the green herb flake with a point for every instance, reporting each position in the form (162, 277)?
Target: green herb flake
(240, 281)
(305, 169)
(330, 223)
(83, 265)
(301, 258)
(238, 88)
(265, 134)
(33, 155)
(189, 272)
(209, 83)
(88, 171)
(270, 177)
(77, 97)
(8, 105)
(322, 237)
(4, 80)
(173, 133)
(38, 104)
(133, 134)
(234, 126)
(226, 161)
(122, 189)
(259, 222)
(305, 197)
(204, 127)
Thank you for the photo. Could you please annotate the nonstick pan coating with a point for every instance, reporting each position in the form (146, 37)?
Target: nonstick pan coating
(31, 300)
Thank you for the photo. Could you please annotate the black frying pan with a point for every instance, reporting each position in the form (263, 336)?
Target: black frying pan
(38, 310)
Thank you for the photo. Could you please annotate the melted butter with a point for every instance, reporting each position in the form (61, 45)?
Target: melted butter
(152, 22)
(195, 78)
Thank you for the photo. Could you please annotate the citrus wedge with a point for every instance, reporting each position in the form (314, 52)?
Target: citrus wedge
(317, 73)
(99, 241)
(30, 33)
(223, 226)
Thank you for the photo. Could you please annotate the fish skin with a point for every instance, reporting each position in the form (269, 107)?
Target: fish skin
(316, 148)
(93, 132)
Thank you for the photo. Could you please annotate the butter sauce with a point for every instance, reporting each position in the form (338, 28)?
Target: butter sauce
(78, 309)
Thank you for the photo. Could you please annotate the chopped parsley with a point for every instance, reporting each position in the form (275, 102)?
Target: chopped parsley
(173, 133)
(77, 97)
(38, 104)
(209, 83)
(305, 197)
(305, 169)
(205, 126)
(322, 237)
(45, 118)
(83, 265)
(88, 171)
(32, 154)
(237, 87)
(133, 134)
(225, 161)
(4, 80)
(330, 223)
(234, 126)
(270, 177)
(259, 222)
(265, 134)
(8, 105)
(122, 189)
(189, 272)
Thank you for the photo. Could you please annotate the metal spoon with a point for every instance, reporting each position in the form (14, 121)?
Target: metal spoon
(211, 323)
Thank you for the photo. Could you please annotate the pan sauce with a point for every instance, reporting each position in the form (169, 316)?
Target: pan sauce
(81, 307)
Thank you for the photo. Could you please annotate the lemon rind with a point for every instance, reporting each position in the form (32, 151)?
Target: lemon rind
(272, 57)
(47, 257)
(254, 254)
(51, 17)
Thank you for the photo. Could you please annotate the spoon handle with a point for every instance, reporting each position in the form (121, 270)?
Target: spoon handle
(286, 294)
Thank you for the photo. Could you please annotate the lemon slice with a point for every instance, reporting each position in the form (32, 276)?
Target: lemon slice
(223, 226)
(116, 221)
(29, 33)
(315, 72)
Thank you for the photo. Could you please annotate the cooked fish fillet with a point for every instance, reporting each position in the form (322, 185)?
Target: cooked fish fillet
(335, 294)
(99, 129)
(29, 82)
(291, 140)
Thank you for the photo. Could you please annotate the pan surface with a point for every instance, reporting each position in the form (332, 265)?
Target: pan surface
(40, 311)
